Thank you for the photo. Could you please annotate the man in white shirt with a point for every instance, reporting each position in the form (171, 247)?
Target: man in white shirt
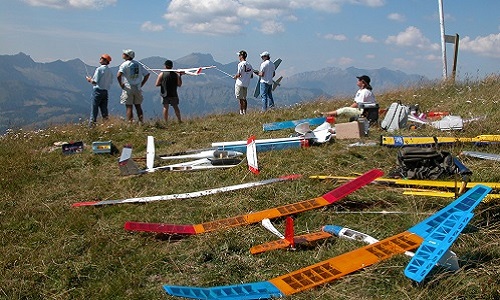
(131, 77)
(266, 73)
(243, 76)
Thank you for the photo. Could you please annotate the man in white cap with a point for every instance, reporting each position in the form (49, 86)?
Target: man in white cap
(131, 77)
(266, 73)
(243, 76)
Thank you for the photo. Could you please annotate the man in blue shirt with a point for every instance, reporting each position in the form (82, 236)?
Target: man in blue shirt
(101, 81)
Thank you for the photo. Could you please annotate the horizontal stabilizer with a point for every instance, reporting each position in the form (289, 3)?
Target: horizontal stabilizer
(256, 290)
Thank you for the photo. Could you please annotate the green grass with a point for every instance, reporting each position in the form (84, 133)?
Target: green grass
(52, 251)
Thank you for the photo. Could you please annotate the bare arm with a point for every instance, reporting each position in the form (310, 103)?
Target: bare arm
(159, 79)
(119, 77)
(179, 80)
(144, 80)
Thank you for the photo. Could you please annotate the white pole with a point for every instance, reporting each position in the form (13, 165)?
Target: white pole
(443, 42)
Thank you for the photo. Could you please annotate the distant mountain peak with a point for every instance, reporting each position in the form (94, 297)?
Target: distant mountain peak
(196, 59)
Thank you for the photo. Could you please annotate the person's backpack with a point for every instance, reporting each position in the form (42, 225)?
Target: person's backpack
(396, 117)
(423, 163)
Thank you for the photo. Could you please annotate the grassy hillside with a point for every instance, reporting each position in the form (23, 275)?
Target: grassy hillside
(50, 250)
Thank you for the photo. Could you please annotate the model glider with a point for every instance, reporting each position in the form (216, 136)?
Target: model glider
(402, 141)
(433, 237)
(189, 71)
(282, 211)
(417, 182)
(276, 83)
(189, 195)
(449, 260)
(208, 160)
(288, 241)
(482, 155)
(293, 123)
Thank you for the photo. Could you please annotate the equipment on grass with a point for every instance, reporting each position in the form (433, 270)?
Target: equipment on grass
(203, 154)
(128, 166)
(396, 117)
(414, 182)
(433, 237)
(189, 195)
(254, 217)
(449, 259)
(482, 155)
(253, 165)
(402, 141)
(292, 124)
(289, 240)
(72, 148)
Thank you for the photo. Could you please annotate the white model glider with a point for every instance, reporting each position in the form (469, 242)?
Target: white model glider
(189, 71)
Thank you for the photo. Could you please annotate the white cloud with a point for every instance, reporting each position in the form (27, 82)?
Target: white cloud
(230, 17)
(345, 61)
(403, 63)
(412, 37)
(62, 4)
(271, 27)
(367, 39)
(370, 56)
(485, 46)
(370, 3)
(149, 26)
(335, 37)
(396, 17)
(433, 57)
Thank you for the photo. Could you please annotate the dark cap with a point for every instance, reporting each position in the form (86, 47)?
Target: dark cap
(364, 78)
(169, 63)
(242, 53)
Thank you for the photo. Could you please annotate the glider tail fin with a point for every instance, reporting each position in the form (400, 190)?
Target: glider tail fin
(150, 153)
(126, 163)
(289, 231)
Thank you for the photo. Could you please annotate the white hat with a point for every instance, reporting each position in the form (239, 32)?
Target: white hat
(265, 53)
(129, 52)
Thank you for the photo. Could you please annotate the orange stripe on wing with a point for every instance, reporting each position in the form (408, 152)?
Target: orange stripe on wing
(334, 268)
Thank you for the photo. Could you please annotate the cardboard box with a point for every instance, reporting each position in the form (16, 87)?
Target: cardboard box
(351, 130)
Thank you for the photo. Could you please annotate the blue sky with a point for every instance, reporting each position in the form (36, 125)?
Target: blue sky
(307, 34)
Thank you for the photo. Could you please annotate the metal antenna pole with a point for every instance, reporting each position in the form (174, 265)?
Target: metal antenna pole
(443, 41)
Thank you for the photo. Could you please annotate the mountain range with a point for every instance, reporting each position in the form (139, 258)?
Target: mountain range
(38, 94)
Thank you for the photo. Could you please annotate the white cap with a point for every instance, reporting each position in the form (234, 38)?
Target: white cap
(265, 53)
(129, 52)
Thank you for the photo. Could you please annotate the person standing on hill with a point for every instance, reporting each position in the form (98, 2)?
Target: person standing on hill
(168, 82)
(266, 73)
(243, 75)
(101, 81)
(131, 77)
(364, 99)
